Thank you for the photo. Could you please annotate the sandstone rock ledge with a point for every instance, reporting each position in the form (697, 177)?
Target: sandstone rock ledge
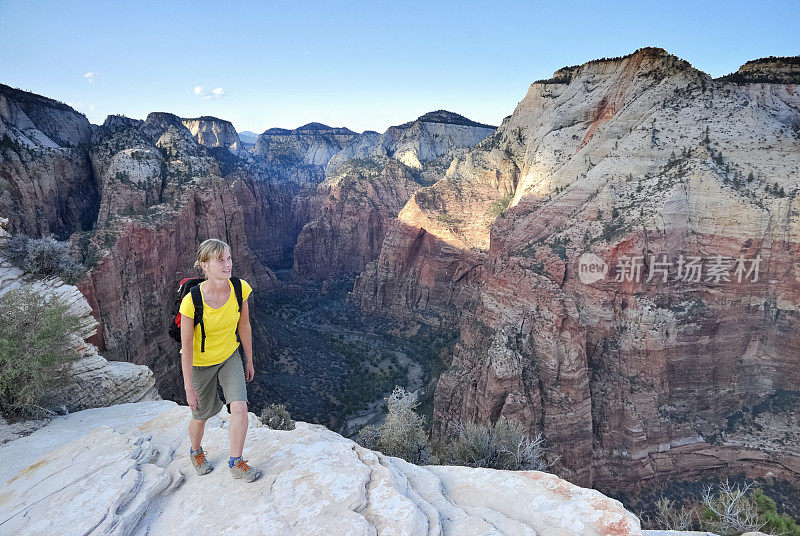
(125, 470)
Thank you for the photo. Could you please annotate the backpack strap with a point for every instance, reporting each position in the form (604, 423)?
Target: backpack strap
(197, 300)
(237, 289)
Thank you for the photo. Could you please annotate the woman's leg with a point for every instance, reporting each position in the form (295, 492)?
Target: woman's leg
(238, 427)
(204, 380)
(231, 377)
(196, 429)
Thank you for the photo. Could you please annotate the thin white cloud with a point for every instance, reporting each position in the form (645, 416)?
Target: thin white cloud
(215, 94)
(91, 76)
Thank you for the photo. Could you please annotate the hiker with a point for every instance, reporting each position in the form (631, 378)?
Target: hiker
(210, 354)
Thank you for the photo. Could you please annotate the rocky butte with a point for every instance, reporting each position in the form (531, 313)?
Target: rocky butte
(638, 381)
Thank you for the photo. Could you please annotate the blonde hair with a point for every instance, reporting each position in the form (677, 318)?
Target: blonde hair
(210, 249)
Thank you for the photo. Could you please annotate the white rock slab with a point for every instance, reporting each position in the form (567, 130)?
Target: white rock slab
(132, 476)
(18, 454)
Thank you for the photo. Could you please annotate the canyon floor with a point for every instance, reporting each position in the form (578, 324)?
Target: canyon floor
(332, 365)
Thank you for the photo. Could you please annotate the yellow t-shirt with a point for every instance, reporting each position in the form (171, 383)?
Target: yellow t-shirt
(220, 327)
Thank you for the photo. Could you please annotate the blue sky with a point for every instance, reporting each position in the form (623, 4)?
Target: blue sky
(363, 65)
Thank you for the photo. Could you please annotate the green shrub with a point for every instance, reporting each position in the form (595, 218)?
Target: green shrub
(277, 417)
(36, 349)
(402, 434)
(44, 256)
(502, 445)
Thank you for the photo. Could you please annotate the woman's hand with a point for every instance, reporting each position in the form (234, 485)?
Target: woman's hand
(249, 370)
(192, 399)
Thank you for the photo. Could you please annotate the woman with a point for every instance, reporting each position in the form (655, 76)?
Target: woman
(220, 361)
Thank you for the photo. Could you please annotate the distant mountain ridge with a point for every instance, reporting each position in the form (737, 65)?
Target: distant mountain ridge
(311, 128)
(448, 118)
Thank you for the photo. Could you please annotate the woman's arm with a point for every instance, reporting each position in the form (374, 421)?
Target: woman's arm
(187, 353)
(246, 336)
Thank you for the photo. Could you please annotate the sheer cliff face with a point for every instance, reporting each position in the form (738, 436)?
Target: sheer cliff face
(45, 184)
(630, 380)
(350, 214)
(214, 132)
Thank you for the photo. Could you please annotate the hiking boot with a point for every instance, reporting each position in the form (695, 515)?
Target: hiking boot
(242, 470)
(200, 463)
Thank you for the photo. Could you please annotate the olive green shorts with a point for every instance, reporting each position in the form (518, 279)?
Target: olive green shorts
(229, 374)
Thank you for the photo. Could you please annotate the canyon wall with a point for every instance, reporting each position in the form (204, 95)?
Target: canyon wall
(136, 198)
(45, 186)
